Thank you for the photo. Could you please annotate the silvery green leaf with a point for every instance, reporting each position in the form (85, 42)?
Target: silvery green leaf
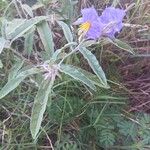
(88, 43)
(122, 45)
(1, 64)
(46, 37)
(24, 27)
(67, 8)
(67, 31)
(11, 26)
(39, 106)
(14, 82)
(93, 78)
(2, 44)
(56, 54)
(94, 64)
(29, 41)
(14, 70)
(77, 75)
(115, 3)
(58, 51)
(29, 71)
(28, 9)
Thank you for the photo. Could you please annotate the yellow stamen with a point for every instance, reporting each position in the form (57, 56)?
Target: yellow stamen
(85, 26)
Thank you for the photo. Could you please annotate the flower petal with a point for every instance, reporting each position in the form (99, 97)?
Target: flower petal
(112, 14)
(89, 14)
(95, 31)
(112, 18)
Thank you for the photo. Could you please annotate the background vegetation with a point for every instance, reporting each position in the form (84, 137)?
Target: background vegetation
(77, 118)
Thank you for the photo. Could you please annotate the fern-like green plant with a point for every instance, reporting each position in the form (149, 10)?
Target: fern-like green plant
(128, 129)
(106, 138)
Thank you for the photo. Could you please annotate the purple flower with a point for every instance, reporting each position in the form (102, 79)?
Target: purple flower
(90, 23)
(94, 26)
(112, 19)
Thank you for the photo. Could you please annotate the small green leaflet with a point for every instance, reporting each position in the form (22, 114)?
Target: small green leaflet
(76, 74)
(107, 138)
(94, 64)
(67, 31)
(39, 106)
(128, 128)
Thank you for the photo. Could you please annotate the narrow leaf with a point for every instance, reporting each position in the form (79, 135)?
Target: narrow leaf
(93, 62)
(14, 70)
(23, 28)
(39, 107)
(93, 78)
(74, 73)
(29, 71)
(67, 8)
(88, 43)
(122, 45)
(3, 27)
(58, 51)
(12, 84)
(106, 97)
(10, 27)
(46, 37)
(28, 44)
(28, 9)
(67, 31)
(56, 54)
(1, 64)
(2, 44)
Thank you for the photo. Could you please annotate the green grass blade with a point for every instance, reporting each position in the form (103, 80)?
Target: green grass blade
(94, 64)
(76, 74)
(106, 97)
(39, 107)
